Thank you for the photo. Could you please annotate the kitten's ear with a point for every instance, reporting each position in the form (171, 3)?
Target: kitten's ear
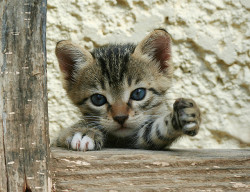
(157, 47)
(71, 58)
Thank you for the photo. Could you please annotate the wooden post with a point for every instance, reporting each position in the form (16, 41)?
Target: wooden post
(24, 140)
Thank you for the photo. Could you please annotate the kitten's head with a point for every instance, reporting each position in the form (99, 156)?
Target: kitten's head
(118, 87)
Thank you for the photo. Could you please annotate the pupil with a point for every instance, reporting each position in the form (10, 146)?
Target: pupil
(98, 99)
(138, 94)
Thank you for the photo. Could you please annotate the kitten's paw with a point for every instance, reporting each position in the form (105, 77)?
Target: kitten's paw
(83, 142)
(186, 116)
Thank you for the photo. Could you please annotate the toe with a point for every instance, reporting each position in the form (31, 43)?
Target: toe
(87, 144)
(75, 142)
(191, 129)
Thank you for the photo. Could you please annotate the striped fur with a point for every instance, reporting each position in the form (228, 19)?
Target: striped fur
(115, 72)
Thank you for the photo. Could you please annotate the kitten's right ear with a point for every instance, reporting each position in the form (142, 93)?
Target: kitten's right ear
(71, 58)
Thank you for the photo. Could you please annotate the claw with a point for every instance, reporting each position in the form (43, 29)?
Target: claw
(78, 145)
(86, 147)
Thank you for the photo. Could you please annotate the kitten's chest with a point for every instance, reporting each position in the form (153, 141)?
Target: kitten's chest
(119, 142)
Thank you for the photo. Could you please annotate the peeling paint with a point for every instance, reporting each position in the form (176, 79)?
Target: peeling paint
(15, 33)
(11, 163)
(8, 53)
(40, 173)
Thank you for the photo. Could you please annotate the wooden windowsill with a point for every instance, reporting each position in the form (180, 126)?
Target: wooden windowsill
(143, 170)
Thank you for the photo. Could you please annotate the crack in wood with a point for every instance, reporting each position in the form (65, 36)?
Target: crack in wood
(26, 187)
(4, 116)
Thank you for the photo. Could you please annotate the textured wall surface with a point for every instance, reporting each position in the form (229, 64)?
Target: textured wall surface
(211, 54)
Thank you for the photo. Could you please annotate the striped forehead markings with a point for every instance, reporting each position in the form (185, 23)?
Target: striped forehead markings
(113, 62)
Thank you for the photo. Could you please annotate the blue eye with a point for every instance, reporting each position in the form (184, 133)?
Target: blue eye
(98, 99)
(138, 94)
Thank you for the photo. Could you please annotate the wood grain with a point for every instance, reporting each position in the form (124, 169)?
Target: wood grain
(24, 140)
(141, 170)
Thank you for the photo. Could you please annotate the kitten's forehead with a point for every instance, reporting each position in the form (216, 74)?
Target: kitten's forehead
(113, 62)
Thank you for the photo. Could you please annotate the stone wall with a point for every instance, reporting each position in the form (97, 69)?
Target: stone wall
(211, 54)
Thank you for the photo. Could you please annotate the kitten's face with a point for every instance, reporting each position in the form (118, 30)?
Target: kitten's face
(118, 87)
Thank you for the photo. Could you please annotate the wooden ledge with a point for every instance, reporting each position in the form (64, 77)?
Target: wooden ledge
(142, 170)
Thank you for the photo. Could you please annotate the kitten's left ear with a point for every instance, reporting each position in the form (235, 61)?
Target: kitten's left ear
(157, 47)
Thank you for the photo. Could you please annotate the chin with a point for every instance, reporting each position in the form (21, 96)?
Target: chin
(123, 132)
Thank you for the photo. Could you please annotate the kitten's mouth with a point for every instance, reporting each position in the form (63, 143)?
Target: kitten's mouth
(122, 128)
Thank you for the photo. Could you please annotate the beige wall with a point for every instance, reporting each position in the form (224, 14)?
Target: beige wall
(211, 51)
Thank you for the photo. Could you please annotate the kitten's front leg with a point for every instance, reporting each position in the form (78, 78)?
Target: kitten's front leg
(81, 138)
(162, 132)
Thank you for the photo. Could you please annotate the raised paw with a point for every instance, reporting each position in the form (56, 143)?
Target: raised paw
(186, 116)
(84, 142)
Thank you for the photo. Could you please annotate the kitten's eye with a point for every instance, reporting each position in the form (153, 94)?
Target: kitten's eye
(98, 99)
(138, 94)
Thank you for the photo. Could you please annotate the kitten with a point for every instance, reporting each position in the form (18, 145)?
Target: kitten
(121, 91)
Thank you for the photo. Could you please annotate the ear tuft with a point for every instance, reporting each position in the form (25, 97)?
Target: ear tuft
(157, 46)
(71, 57)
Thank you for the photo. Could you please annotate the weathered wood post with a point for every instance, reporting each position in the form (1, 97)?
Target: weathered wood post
(24, 140)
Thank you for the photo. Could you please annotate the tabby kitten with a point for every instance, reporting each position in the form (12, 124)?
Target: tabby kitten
(121, 91)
